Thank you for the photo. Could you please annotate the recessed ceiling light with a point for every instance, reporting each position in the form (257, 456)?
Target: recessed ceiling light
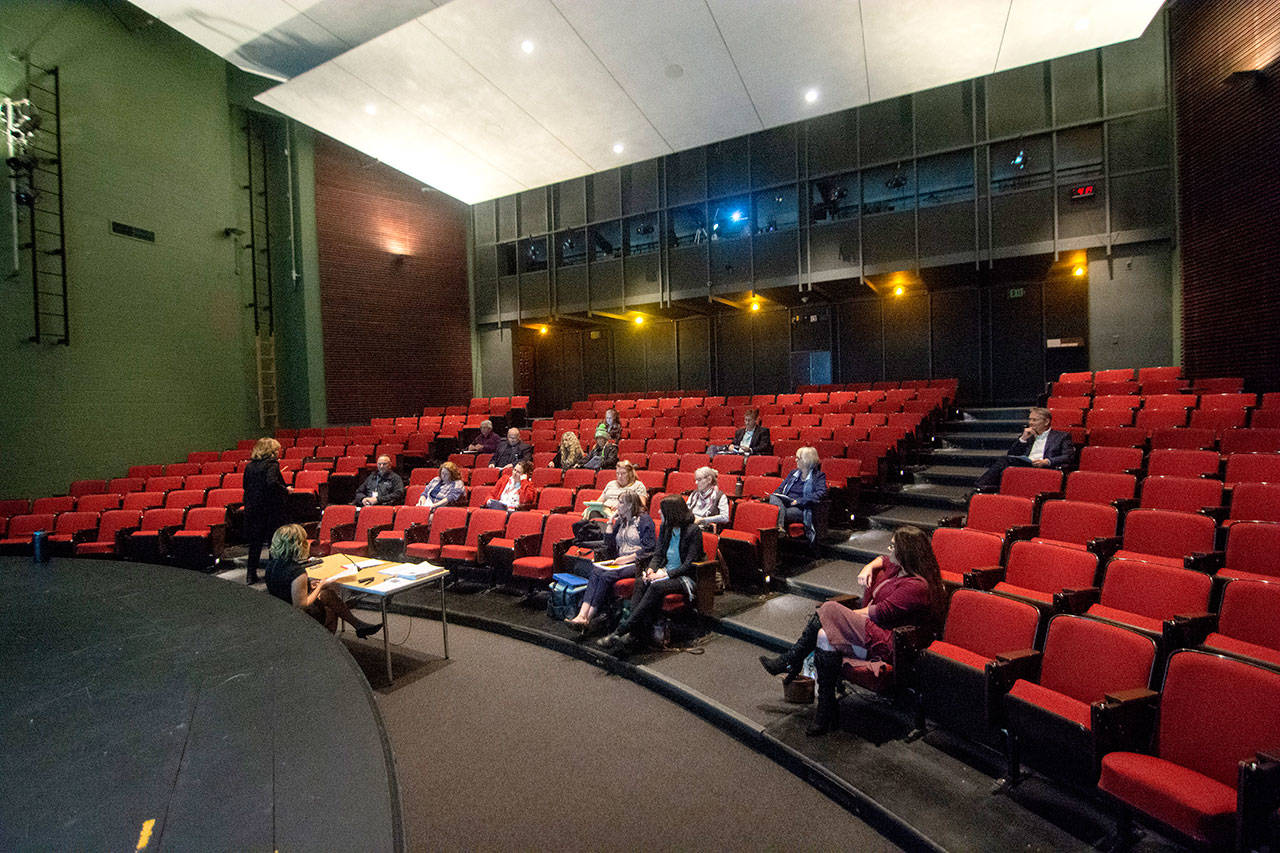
(526, 46)
(1082, 24)
(617, 148)
(811, 96)
(371, 109)
(673, 71)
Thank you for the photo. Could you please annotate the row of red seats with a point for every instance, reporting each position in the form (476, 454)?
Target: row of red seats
(190, 535)
(759, 401)
(1150, 380)
(721, 415)
(495, 406)
(1218, 420)
(781, 426)
(1080, 706)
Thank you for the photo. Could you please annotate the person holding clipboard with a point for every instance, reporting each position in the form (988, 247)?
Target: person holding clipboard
(629, 539)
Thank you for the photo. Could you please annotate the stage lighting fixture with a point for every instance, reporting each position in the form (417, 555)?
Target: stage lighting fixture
(639, 320)
(736, 216)
(542, 330)
(1078, 270)
(1020, 160)
(899, 290)
(755, 306)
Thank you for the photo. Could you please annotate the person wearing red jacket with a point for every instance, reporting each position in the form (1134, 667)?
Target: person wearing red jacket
(514, 489)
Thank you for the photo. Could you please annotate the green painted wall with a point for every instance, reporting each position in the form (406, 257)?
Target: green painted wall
(161, 354)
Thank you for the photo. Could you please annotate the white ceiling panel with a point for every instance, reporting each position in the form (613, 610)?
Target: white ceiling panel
(927, 43)
(334, 102)
(431, 81)
(1038, 31)
(224, 26)
(787, 47)
(669, 57)
(561, 83)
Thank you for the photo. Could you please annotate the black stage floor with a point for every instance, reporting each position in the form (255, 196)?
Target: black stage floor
(145, 707)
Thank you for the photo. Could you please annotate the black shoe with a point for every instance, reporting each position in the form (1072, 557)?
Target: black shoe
(775, 665)
(609, 642)
(250, 579)
(828, 664)
(366, 629)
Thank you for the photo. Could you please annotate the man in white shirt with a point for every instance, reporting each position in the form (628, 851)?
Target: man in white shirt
(1038, 446)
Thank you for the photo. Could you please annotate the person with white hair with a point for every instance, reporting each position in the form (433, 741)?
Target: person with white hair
(800, 492)
(486, 441)
(709, 505)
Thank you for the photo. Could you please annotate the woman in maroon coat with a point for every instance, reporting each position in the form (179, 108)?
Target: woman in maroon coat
(903, 587)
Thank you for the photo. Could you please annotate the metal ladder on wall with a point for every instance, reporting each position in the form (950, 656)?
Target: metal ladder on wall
(33, 131)
(259, 248)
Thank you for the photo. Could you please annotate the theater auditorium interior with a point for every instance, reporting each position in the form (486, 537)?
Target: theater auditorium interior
(895, 236)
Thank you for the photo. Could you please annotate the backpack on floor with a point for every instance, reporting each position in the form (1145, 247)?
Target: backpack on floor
(566, 595)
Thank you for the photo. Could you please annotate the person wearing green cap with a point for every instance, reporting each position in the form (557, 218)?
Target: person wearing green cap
(604, 453)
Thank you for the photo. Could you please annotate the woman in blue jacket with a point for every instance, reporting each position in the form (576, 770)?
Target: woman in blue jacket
(800, 492)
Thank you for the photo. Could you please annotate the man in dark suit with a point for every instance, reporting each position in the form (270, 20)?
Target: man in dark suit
(752, 438)
(1038, 446)
(511, 451)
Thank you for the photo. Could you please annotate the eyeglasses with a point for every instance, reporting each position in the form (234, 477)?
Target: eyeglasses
(891, 548)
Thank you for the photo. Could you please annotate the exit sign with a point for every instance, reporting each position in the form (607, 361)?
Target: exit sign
(1017, 292)
(1082, 192)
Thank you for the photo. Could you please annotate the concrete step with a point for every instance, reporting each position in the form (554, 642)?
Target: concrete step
(931, 495)
(949, 475)
(826, 579)
(1012, 426)
(979, 440)
(775, 624)
(863, 546)
(961, 456)
(893, 517)
(995, 413)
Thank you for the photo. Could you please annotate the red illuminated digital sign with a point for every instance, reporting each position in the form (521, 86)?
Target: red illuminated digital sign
(1082, 191)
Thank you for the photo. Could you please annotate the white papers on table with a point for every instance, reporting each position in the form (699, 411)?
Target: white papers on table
(388, 585)
(410, 571)
(345, 572)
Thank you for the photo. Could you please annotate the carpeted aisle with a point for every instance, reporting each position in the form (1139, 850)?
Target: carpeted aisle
(512, 746)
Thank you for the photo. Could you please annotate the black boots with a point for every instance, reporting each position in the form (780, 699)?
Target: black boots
(828, 664)
(792, 659)
(365, 629)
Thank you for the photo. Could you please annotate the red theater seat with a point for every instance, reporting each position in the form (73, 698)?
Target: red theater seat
(750, 546)
(1143, 595)
(465, 547)
(1249, 622)
(1215, 713)
(200, 542)
(335, 516)
(110, 525)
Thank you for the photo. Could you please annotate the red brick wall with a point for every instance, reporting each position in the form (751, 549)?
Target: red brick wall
(396, 329)
(1228, 136)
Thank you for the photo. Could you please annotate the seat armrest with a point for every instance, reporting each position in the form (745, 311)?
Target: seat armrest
(417, 532)
(373, 534)
(1217, 513)
(1209, 562)
(1257, 798)
(951, 521)
(1039, 500)
(1009, 666)
(342, 532)
(1188, 629)
(1124, 720)
(908, 642)
(1076, 600)
(558, 549)
(217, 539)
(985, 490)
(526, 545)
(983, 578)
(1125, 505)
(88, 535)
(482, 542)
(704, 585)
(312, 528)
(1104, 547)
(453, 536)
(1020, 532)
(122, 538)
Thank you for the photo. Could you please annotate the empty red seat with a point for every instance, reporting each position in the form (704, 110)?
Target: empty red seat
(727, 463)
(358, 541)
(144, 544)
(1181, 494)
(1253, 552)
(423, 542)
(1165, 372)
(1186, 438)
(750, 545)
(142, 500)
(110, 524)
(53, 505)
(201, 541)
(542, 477)
(679, 482)
(1166, 537)
(960, 550)
(124, 485)
(465, 547)
(1254, 502)
(1100, 488)
(1099, 418)
(1030, 482)
(1214, 714)
(999, 514)
(389, 544)
(203, 482)
(224, 497)
(1252, 440)
(1075, 523)
(1063, 722)
(1151, 420)
(163, 483)
(79, 488)
(1183, 463)
(691, 462)
(334, 517)
(1249, 622)
(664, 461)
(182, 469)
(1118, 436)
(554, 499)
(97, 502)
(759, 488)
(1252, 468)
(521, 537)
(21, 528)
(987, 643)
(1143, 595)
(70, 528)
(183, 498)
(1035, 571)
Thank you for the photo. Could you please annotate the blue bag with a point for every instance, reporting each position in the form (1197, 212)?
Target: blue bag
(566, 595)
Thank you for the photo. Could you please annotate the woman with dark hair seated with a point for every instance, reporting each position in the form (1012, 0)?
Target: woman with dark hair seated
(670, 570)
(515, 489)
(903, 587)
(629, 540)
(287, 580)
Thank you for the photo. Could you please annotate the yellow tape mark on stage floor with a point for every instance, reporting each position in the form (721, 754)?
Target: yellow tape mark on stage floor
(144, 837)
